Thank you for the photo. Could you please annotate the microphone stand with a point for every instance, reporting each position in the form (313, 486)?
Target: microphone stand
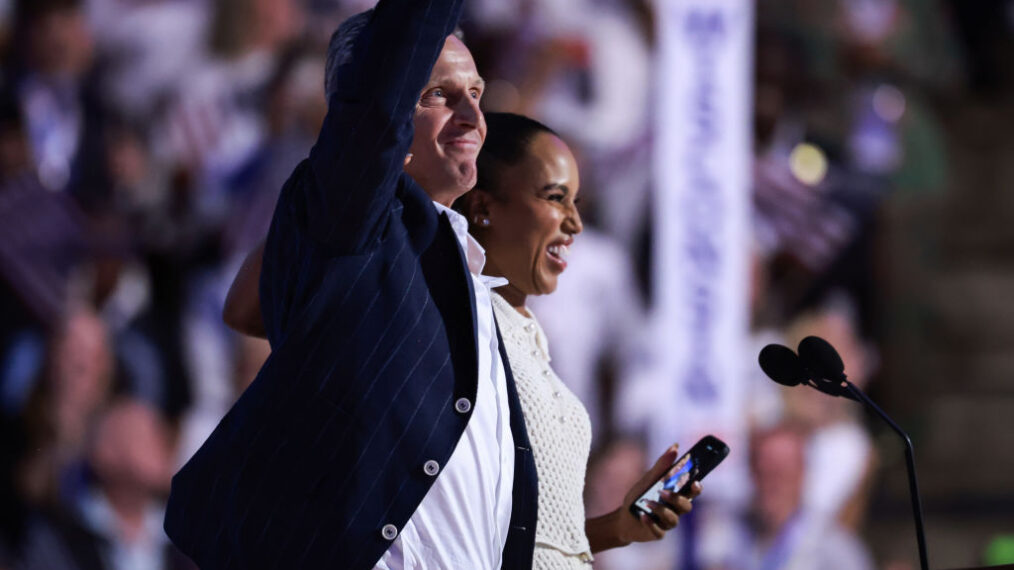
(913, 485)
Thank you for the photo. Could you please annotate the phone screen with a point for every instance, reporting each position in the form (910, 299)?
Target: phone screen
(692, 466)
(674, 480)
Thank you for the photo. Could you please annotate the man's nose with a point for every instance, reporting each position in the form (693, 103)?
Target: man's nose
(467, 112)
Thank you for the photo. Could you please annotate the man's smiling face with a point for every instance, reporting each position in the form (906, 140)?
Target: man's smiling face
(449, 127)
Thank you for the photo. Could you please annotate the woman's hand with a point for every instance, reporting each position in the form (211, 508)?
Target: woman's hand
(621, 527)
(667, 512)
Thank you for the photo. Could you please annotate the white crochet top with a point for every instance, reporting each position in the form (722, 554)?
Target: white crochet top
(560, 432)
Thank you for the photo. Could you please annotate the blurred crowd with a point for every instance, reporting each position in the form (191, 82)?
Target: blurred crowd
(143, 144)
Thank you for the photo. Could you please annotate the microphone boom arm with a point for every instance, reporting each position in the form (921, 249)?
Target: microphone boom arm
(913, 485)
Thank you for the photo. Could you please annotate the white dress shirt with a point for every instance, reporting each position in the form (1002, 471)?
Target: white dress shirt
(463, 520)
(146, 551)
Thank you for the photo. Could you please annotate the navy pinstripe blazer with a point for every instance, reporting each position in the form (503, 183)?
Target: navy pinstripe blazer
(371, 316)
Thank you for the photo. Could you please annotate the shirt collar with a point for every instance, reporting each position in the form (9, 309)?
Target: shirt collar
(99, 516)
(458, 222)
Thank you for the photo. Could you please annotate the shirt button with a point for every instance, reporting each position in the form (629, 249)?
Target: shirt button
(431, 468)
(545, 372)
(463, 406)
(556, 394)
(535, 353)
(529, 327)
(390, 532)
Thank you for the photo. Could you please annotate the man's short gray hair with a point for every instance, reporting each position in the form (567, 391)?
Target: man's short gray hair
(339, 49)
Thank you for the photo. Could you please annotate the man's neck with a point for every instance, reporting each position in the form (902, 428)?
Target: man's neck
(130, 507)
(446, 197)
(773, 523)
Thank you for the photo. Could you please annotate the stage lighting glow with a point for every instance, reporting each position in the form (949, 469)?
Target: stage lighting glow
(889, 103)
(808, 164)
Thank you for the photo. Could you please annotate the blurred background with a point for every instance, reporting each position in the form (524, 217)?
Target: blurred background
(143, 144)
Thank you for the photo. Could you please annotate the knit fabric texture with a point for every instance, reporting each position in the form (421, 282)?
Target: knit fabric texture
(560, 433)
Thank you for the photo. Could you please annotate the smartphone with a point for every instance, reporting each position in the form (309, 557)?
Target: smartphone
(692, 466)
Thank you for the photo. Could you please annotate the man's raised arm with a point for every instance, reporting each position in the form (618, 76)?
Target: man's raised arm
(358, 157)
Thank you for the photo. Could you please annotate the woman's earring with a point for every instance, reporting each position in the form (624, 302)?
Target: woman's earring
(484, 221)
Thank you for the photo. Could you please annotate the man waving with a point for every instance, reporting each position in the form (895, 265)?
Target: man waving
(384, 430)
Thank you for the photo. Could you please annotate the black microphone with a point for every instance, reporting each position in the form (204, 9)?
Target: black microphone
(826, 367)
(782, 365)
(819, 365)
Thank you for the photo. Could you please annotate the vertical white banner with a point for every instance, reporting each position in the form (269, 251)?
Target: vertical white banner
(702, 234)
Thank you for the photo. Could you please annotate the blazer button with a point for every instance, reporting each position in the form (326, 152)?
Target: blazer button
(390, 532)
(463, 406)
(431, 468)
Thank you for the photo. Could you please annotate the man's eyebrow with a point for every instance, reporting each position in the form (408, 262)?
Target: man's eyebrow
(434, 81)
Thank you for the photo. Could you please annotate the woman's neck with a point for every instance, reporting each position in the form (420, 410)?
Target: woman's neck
(514, 297)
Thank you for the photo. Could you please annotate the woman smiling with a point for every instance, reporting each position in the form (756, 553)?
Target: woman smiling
(523, 211)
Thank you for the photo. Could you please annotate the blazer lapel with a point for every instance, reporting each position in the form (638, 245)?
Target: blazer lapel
(450, 286)
(520, 546)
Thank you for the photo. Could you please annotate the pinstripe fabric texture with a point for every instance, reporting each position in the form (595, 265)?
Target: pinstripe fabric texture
(370, 312)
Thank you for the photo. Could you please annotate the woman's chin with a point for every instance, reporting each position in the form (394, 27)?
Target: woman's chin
(546, 286)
